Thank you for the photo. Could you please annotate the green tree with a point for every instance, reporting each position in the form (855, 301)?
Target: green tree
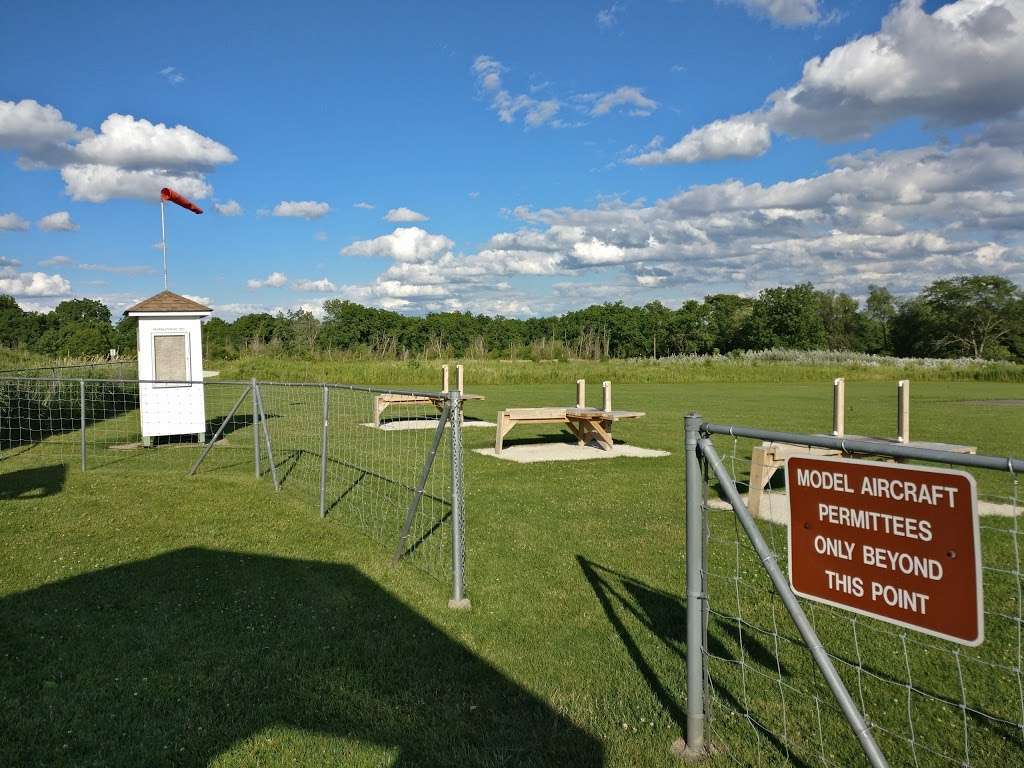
(218, 338)
(845, 327)
(880, 310)
(126, 336)
(81, 311)
(786, 318)
(727, 318)
(974, 316)
(18, 327)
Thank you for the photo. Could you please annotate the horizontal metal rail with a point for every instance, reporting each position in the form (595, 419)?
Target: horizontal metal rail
(871, 446)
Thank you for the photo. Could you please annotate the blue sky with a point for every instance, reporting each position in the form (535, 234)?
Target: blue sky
(535, 157)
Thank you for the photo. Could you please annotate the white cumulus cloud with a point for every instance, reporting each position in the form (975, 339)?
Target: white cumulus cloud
(408, 244)
(28, 125)
(301, 209)
(404, 215)
(961, 64)
(32, 283)
(99, 183)
(57, 261)
(742, 136)
(60, 221)
(624, 96)
(12, 222)
(273, 280)
(127, 157)
(791, 13)
(127, 142)
(323, 285)
(228, 208)
(535, 112)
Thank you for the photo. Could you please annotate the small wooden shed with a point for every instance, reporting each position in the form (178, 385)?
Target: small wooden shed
(170, 348)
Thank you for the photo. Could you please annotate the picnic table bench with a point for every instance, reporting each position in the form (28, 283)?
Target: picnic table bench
(585, 423)
(382, 402)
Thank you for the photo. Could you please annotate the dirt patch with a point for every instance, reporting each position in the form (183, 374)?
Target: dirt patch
(533, 452)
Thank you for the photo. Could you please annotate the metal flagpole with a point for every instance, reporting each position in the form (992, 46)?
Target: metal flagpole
(163, 241)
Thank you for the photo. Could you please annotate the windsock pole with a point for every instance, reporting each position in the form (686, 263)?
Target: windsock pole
(163, 241)
(169, 194)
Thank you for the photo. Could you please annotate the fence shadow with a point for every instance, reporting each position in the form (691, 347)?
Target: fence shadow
(33, 483)
(177, 658)
(44, 409)
(663, 615)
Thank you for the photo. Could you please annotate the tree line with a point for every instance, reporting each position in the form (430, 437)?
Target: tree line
(979, 316)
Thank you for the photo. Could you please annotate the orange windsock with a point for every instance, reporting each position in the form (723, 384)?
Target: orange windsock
(170, 195)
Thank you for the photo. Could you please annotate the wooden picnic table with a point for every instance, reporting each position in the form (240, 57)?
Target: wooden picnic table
(585, 423)
(382, 402)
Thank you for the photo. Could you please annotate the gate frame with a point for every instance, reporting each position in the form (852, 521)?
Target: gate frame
(700, 451)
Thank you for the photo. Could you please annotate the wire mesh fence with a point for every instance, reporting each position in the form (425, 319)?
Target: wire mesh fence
(927, 701)
(317, 442)
(102, 369)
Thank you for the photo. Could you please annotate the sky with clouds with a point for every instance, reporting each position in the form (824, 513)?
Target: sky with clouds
(515, 158)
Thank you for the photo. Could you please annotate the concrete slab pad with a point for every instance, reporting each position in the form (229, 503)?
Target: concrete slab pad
(403, 424)
(775, 508)
(531, 453)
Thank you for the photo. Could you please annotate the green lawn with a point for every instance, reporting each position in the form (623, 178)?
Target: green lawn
(147, 618)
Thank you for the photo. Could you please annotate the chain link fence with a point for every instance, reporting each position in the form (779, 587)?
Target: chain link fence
(764, 698)
(399, 482)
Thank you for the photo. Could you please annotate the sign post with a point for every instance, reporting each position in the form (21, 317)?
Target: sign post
(894, 542)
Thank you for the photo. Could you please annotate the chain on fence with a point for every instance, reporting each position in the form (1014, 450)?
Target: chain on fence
(927, 701)
(328, 445)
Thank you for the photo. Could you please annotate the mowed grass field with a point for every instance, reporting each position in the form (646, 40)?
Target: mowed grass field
(147, 618)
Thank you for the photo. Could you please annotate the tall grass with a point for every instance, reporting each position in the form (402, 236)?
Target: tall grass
(776, 366)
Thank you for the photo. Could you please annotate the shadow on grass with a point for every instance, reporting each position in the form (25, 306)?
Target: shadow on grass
(176, 659)
(664, 615)
(565, 436)
(33, 483)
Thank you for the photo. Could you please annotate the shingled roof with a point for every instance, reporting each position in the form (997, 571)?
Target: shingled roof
(165, 301)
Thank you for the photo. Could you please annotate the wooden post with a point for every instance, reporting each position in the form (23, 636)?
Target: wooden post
(458, 378)
(581, 402)
(499, 433)
(839, 407)
(607, 387)
(903, 411)
(444, 378)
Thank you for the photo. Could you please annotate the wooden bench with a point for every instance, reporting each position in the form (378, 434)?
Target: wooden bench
(382, 402)
(585, 423)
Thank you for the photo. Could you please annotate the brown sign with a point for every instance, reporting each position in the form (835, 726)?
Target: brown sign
(894, 542)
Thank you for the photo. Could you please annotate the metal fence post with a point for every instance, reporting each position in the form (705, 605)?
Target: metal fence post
(459, 600)
(323, 457)
(769, 562)
(266, 438)
(255, 429)
(81, 417)
(692, 746)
